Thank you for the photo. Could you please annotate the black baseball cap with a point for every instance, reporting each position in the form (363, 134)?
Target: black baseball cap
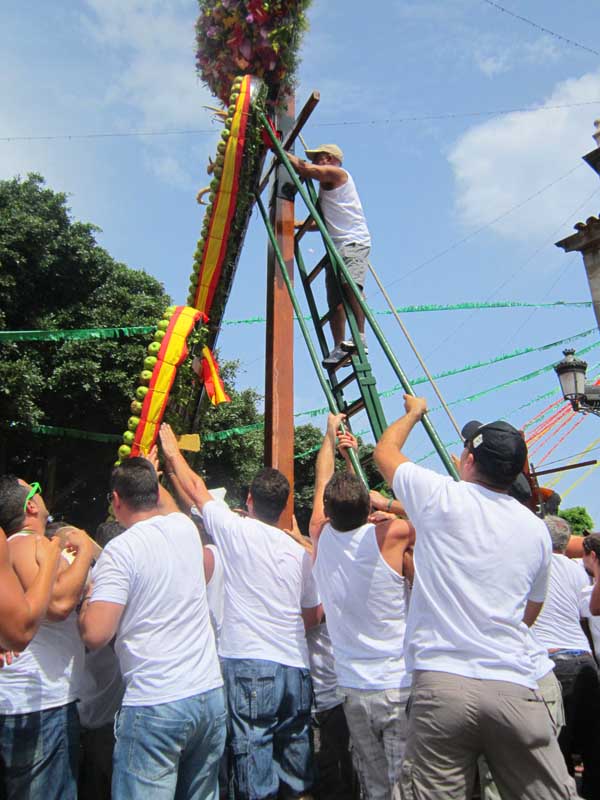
(498, 448)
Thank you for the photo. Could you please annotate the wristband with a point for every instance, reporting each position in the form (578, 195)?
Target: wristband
(389, 505)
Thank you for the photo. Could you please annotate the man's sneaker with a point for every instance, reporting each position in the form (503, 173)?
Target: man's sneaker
(349, 346)
(337, 354)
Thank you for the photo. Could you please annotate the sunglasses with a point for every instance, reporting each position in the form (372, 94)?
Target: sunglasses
(35, 489)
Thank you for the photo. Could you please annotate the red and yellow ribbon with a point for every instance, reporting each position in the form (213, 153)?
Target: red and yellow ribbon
(224, 204)
(172, 353)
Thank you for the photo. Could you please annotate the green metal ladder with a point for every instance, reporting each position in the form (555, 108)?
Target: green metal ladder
(360, 374)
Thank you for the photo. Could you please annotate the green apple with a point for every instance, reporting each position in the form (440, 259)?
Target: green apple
(159, 335)
(162, 325)
(153, 348)
(141, 392)
(128, 437)
(136, 407)
(145, 376)
(132, 423)
(124, 451)
(150, 362)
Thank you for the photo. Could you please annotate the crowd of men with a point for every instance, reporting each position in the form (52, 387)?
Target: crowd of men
(424, 646)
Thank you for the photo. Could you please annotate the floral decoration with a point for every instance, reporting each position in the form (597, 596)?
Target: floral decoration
(249, 37)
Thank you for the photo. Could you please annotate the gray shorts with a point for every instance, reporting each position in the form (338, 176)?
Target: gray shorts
(356, 259)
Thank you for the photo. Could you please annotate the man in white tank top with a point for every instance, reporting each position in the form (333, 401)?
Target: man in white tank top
(39, 727)
(345, 219)
(358, 569)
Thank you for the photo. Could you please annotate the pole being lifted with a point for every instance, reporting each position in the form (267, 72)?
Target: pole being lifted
(426, 422)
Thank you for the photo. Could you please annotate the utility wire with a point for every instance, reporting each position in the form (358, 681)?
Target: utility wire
(533, 24)
(387, 121)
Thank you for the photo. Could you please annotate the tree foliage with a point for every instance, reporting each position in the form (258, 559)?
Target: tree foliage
(54, 275)
(578, 518)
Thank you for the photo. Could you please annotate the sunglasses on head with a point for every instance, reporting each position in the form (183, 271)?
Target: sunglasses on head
(35, 489)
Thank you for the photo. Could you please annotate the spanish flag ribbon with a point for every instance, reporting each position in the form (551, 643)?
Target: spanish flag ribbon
(212, 380)
(225, 203)
(173, 351)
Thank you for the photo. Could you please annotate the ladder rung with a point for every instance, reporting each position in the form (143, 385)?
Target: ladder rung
(318, 269)
(302, 229)
(354, 407)
(326, 317)
(346, 382)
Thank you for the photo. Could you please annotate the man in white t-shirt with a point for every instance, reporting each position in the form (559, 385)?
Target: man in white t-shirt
(345, 220)
(359, 572)
(149, 591)
(270, 596)
(481, 571)
(39, 728)
(558, 628)
(590, 608)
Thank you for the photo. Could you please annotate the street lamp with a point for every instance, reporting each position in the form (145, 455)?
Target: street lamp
(583, 396)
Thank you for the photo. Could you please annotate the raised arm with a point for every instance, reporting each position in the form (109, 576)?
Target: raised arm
(324, 173)
(388, 453)
(21, 612)
(324, 469)
(70, 580)
(191, 483)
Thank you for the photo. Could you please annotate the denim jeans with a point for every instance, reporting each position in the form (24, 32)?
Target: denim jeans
(269, 728)
(579, 680)
(171, 750)
(39, 754)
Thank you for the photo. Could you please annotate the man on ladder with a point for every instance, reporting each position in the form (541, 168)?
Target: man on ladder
(345, 219)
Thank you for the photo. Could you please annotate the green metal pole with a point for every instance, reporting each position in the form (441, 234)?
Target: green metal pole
(431, 432)
(311, 348)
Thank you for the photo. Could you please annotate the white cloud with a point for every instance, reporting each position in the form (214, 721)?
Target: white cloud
(153, 77)
(493, 56)
(500, 163)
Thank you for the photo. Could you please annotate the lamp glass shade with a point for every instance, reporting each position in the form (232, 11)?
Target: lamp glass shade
(572, 382)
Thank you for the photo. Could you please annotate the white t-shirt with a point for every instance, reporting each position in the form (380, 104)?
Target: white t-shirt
(47, 674)
(479, 557)
(165, 642)
(322, 668)
(215, 592)
(102, 688)
(268, 580)
(365, 606)
(594, 622)
(557, 626)
(344, 215)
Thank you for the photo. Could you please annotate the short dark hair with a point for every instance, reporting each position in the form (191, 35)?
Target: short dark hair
(136, 482)
(346, 501)
(12, 500)
(591, 544)
(107, 531)
(270, 490)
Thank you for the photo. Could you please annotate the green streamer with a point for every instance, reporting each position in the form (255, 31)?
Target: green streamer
(136, 330)
(219, 436)
(81, 334)
(64, 433)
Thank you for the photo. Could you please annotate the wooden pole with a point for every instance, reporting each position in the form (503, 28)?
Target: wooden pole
(279, 378)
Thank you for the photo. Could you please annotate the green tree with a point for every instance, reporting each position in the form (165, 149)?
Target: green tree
(54, 275)
(578, 518)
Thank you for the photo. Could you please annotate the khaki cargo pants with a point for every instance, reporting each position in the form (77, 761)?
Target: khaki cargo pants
(453, 720)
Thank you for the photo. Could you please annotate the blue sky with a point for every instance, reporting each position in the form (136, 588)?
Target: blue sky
(462, 205)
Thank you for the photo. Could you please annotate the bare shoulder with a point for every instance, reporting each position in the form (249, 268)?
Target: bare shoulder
(21, 548)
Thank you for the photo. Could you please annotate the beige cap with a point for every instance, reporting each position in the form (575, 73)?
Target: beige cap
(332, 149)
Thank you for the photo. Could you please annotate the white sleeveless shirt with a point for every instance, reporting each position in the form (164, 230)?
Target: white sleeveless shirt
(344, 215)
(365, 608)
(48, 672)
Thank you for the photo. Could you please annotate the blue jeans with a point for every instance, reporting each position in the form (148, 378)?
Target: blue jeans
(269, 727)
(171, 750)
(39, 754)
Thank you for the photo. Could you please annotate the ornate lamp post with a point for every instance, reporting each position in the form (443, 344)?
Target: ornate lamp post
(583, 396)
